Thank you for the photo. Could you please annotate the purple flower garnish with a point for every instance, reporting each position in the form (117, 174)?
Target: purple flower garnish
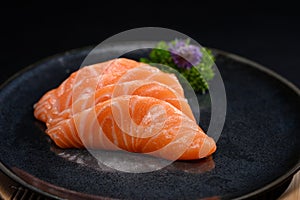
(184, 54)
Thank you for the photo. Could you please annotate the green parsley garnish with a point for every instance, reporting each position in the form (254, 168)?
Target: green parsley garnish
(197, 70)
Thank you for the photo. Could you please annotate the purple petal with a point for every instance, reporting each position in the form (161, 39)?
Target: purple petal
(185, 55)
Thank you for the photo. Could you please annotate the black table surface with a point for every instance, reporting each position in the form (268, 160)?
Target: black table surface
(30, 33)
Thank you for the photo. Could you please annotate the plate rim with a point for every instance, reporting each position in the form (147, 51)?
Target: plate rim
(289, 84)
(242, 59)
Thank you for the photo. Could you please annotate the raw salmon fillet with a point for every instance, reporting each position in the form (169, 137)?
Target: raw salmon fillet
(138, 87)
(158, 128)
(54, 104)
(79, 83)
(123, 104)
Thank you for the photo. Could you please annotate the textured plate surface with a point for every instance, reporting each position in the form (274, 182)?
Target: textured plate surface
(258, 149)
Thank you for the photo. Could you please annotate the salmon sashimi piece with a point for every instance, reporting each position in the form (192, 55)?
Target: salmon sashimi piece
(136, 124)
(138, 87)
(56, 104)
(80, 82)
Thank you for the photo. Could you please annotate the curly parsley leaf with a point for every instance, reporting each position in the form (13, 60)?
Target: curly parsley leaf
(198, 76)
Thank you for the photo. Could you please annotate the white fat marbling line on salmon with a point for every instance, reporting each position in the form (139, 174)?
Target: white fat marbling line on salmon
(105, 142)
(81, 122)
(82, 103)
(113, 133)
(57, 134)
(67, 102)
(170, 80)
(206, 147)
(56, 118)
(125, 141)
(153, 122)
(179, 144)
(149, 73)
(126, 88)
(74, 133)
(90, 129)
(70, 137)
(61, 89)
(104, 96)
(42, 107)
(96, 128)
(87, 89)
(121, 113)
(40, 112)
(91, 71)
(186, 126)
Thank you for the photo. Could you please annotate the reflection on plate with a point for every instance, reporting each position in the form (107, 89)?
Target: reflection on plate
(84, 158)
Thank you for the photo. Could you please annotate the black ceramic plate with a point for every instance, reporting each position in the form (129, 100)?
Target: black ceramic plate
(258, 149)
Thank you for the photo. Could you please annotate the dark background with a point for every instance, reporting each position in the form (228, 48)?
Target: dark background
(31, 32)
